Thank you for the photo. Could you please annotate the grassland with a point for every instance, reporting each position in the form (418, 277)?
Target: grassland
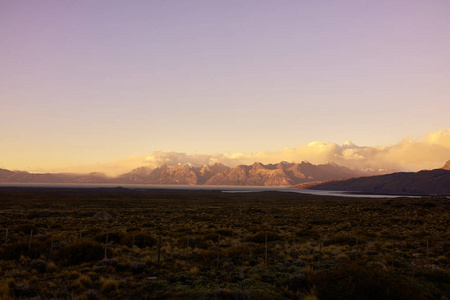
(169, 244)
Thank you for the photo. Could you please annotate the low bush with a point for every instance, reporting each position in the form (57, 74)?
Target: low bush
(298, 282)
(194, 242)
(22, 290)
(6, 287)
(142, 239)
(26, 228)
(305, 234)
(226, 294)
(83, 282)
(113, 237)
(260, 237)
(138, 267)
(225, 232)
(76, 253)
(360, 281)
(51, 267)
(18, 249)
(39, 265)
(109, 286)
(343, 239)
(91, 294)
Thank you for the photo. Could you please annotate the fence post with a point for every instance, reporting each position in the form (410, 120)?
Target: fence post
(428, 248)
(266, 251)
(6, 237)
(243, 243)
(293, 252)
(218, 252)
(51, 248)
(159, 253)
(393, 249)
(106, 246)
(132, 246)
(187, 250)
(29, 243)
(320, 246)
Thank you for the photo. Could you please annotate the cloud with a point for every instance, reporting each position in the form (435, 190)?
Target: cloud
(172, 158)
(428, 152)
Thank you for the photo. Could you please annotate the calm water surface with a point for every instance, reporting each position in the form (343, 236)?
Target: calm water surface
(225, 189)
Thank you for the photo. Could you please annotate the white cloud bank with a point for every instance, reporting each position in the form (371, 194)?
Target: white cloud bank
(429, 152)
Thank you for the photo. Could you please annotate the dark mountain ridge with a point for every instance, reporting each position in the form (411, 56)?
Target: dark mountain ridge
(426, 182)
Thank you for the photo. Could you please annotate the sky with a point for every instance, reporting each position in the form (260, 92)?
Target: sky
(107, 85)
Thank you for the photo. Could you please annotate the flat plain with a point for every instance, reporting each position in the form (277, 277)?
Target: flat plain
(118, 243)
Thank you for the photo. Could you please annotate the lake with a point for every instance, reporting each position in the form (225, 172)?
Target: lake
(225, 189)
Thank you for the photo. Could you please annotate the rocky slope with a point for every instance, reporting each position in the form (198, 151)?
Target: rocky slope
(177, 175)
(281, 174)
(446, 166)
(428, 182)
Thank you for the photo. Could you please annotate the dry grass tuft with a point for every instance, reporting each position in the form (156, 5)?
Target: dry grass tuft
(109, 285)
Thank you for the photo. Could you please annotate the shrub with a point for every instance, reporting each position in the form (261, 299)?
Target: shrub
(142, 239)
(307, 234)
(26, 228)
(109, 285)
(22, 290)
(194, 271)
(224, 232)
(235, 251)
(206, 255)
(77, 253)
(73, 274)
(353, 281)
(84, 282)
(298, 282)
(138, 267)
(311, 296)
(6, 287)
(194, 242)
(39, 265)
(91, 295)
(51, 267)
(226, 294)
(109, 262)
(438, 276)
(343, 239)
(115, 236)
(131, 229)
(211, 236)
(260, 237)
(16, 250)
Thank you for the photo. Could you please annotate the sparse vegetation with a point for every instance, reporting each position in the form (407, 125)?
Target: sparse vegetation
(317, 247)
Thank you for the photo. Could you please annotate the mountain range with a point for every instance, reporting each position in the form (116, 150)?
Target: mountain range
(257, 174)
(426, 182)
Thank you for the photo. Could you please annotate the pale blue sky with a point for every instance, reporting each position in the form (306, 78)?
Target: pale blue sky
(94, 81)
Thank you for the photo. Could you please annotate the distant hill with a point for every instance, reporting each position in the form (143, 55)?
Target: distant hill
(258, 174)
(432, 182)
(26, 177)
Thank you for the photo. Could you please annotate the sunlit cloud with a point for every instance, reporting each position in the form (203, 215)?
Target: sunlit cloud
(428, 152)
